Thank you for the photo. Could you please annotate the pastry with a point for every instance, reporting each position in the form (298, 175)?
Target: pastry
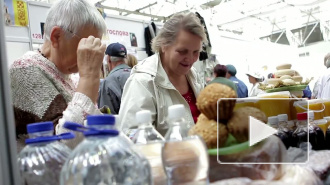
(208, 130)
(283, 66)
(238, 125)
(282, 72)
(208, 98)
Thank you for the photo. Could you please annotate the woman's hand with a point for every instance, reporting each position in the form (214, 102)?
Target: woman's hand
(90, 55)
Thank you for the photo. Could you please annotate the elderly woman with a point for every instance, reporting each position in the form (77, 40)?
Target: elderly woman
(167, 77)
(254, 79)
(40, 82)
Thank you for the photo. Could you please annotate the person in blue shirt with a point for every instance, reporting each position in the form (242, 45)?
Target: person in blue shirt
(242, 90)
(111, 88)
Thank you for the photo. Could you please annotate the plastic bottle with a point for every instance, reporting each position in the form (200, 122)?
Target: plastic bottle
(320, 137)
(327, 134)
(282, 132)
(149, 142)
(185, 158)
(273, 122)
(103, 157)
(300, 134)
(316, 135)
(41, 160)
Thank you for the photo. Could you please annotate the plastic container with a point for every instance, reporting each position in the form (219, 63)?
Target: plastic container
(104, 157)
(322, 123)
(283, 132)
(300, 134)
(41, 160)
(184, 157)
(316, 135)
(316, 106)
(298, 94)
(327, 133)
(149, 143)
(275, 106)
(246, 102)
(327, 107)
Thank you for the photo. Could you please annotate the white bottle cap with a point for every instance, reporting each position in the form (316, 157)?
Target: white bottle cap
(273, 120)
(176, 111)
(311, 115)
(143, 116)
(117, 119)
(282, 117)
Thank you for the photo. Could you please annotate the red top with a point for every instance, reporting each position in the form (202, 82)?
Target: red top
(191, 100)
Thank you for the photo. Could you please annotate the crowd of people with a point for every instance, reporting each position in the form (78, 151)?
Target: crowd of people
(43, 91)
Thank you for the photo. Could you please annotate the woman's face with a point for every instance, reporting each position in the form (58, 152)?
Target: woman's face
(178, 58)
(67, 51)
(252, 80)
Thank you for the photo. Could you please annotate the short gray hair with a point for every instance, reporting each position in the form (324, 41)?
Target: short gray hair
(167, 35)
(117, 59)
(72, 16)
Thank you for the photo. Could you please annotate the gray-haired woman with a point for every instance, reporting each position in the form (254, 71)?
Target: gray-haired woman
(41, 87)
(167, 77)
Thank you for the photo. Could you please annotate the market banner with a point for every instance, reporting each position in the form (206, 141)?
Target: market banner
(16, 13)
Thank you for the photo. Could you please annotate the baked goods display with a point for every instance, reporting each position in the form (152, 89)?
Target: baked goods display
(238, 125)
(208, 130)
(286, 79)
(231, 122)
(208, 99)
(231, 134)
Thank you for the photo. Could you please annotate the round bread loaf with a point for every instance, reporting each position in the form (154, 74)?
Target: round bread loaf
(208, 130)
(210, 95)
(238, 125)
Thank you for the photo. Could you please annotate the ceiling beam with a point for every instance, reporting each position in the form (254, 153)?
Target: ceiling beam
(138, 10)
(210, 4)
(131, 12)
(258, 14)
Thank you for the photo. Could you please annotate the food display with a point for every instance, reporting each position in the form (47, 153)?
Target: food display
(208, 130)
(286, 79)
(229, 136)
(208, 99)
(238, 125)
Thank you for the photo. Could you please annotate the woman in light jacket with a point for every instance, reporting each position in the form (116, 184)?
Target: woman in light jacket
(254, 79)
(167, 77)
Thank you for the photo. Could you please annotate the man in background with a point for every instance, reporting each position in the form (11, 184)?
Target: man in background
(322, 86)
(112, 87)
(242, 91)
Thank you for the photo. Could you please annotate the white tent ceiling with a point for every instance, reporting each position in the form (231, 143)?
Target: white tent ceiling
(251, 19)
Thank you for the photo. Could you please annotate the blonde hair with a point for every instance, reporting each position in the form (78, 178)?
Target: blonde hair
(131, 60)
(167, 35)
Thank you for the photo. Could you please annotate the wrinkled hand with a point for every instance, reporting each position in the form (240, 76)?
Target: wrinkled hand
(90, 55)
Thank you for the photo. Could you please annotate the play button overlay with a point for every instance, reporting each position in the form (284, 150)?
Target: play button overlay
(259, 131)
(261, 146)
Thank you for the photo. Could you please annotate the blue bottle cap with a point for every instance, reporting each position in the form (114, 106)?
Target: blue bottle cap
(40, 127)
(101, 120)
(42, 139)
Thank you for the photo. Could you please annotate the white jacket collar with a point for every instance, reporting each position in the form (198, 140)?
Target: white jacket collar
(153, 66)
